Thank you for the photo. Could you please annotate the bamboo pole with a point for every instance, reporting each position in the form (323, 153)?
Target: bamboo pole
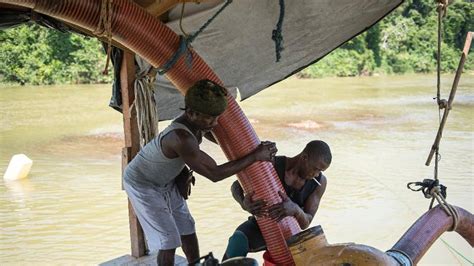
(447, 109)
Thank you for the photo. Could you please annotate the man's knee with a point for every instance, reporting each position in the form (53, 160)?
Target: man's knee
(189, 238)
(190, 241)
(238, 245)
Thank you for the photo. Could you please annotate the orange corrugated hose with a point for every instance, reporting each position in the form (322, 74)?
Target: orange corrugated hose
(142, 33)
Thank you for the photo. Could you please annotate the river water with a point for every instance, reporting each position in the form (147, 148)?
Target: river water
(71, 209)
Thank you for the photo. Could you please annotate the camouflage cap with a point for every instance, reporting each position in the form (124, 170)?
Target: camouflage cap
(206, 97)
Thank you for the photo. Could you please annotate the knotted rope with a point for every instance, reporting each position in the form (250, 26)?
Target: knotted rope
(432, 189)
(145, 106)
(104, 29)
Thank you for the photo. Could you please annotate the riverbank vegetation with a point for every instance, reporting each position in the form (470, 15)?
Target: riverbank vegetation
(403, 42)
(31, 54)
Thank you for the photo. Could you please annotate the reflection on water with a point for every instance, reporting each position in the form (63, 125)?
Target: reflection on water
(71, 209)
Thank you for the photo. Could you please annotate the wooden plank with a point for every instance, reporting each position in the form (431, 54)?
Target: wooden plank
(137, 238)
(132, 145)
(127, 77)
(145, 260)
(126, 155)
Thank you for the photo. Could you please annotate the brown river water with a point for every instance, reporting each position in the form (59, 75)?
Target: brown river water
(71, 209)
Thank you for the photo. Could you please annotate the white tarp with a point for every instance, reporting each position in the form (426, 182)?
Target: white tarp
(238, 44)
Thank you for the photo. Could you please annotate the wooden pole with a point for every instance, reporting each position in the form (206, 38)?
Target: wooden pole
(132, 144)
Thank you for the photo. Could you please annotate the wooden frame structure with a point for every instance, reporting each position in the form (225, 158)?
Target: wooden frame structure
(131, 136)
(132, 145)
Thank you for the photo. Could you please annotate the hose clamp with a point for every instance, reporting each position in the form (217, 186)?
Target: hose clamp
(401, 257)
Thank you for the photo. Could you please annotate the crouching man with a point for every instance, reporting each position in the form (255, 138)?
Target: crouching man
(304, 184)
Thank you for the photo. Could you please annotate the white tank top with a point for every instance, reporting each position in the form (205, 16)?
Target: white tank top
(151, 166)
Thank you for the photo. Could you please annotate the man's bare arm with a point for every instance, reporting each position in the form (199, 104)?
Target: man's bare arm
(186, 146)
(238, 193)
(304, 215)
(254, 207)
(311, 205)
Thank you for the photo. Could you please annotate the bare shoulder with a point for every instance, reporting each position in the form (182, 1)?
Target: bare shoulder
(236, 185)
(178, 136)
(176, 141)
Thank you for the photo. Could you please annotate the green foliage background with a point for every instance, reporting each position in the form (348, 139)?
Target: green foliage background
(403, 42)
(30, 54)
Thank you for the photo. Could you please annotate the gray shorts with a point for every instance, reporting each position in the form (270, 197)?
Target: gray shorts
(163, 214)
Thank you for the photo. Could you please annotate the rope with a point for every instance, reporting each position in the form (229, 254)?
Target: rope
(408, 205)
(145, 106)
(457, 252)
(203, 27)
(431, 188)
(104, 29)
(443, 6)
(277, 36)
(442, 103)
(427, 186)
(185, 42)
(182, 49)
(396, 194)
(181, 20)
(438, 59)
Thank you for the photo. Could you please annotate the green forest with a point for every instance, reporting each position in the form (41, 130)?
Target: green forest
(403, 42)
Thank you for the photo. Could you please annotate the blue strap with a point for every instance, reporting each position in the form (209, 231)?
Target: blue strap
(185, 44)
(183, 47)
(204, 26)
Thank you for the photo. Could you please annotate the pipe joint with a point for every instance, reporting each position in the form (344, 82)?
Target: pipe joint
(401, 257)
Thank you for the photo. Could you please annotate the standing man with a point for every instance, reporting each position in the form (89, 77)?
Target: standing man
(304, 184)
(149, 179)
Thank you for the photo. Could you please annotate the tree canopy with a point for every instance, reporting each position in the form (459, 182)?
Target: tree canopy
(30, 54)
(403, 42)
